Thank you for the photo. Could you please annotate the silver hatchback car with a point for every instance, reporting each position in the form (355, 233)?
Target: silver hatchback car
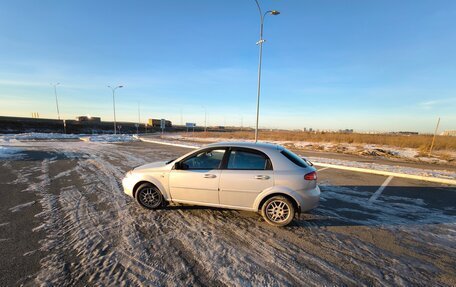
(258, 177)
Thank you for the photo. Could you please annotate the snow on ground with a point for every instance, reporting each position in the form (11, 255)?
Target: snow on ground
(105, 138)
(95, 235)
(9, 152)
(109, 138)
(35, 136)
(375, 166)
(21, 206)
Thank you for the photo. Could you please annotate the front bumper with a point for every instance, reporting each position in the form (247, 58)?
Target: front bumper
(128, 183)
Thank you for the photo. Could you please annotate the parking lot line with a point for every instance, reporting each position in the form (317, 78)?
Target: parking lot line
(380, 189)
(322, 169)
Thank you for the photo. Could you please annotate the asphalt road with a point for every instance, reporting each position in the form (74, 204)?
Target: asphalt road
(64, 221)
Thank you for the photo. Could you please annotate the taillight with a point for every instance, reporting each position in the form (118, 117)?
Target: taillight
(311, 176)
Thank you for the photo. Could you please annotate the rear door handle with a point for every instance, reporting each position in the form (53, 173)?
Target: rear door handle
(210, 175)
(263, 177)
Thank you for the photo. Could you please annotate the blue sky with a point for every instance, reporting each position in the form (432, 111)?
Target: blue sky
(367, 65)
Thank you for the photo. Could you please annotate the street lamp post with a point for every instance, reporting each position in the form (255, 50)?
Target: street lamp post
(139, 120)
(205, 120)
(114, 104)
(260, 43)
(56, 99)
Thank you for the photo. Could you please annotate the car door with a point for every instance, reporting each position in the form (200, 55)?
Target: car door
(196, 179)
(247, 173)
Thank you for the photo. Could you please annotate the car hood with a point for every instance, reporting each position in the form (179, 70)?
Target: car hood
(153, 165)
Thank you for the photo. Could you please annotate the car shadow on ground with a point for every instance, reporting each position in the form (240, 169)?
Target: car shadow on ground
(396, 205)
(352, 206)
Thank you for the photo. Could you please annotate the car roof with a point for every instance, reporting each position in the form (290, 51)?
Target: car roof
(258, 145)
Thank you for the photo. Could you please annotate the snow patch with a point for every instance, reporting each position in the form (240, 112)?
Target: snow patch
(9, 152)
(109, 138)
(36, 136)
(21, 206)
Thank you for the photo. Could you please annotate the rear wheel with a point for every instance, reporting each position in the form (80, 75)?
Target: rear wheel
(149, 196)
(278, 211)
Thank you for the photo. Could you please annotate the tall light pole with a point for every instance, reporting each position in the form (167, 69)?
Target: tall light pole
(139, 120)
(56, 99)
(205, 119)
(114, 104)
(260, 43)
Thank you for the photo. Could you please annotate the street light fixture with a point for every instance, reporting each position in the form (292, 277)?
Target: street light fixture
(56, 99)
(114, 105)
(260, 43)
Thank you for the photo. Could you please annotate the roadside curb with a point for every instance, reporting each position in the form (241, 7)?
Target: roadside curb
(356, 169)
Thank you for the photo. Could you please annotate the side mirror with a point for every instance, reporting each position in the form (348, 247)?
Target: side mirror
(180, 165)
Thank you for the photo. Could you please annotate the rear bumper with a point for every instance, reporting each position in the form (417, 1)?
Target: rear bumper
(309, 199)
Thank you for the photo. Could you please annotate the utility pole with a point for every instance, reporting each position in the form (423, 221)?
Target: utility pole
(205, 119)
(56, 99)
(433, 139)
(139, 120)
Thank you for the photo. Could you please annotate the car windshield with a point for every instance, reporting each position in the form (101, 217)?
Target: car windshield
(294, 158)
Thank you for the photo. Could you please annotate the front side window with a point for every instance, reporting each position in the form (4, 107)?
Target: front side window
(209, 159)
(246, 160)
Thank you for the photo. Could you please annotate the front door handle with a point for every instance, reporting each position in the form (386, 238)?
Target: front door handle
(263, 177)
(210, 175)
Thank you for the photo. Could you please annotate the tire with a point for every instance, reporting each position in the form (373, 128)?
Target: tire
(278, 211)
(149, 196)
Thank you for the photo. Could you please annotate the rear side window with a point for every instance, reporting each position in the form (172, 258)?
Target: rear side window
(246, 160)
(294, 158)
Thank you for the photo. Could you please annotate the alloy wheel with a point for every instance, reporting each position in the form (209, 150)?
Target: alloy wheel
(278, 211)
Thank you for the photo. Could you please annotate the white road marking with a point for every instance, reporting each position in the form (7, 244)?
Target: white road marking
(380, 189)
(321, 169)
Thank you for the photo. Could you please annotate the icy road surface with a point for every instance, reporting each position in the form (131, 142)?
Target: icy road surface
(82, 229)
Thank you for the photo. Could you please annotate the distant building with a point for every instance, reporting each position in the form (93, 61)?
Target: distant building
(88, 119)
(449, 133)
(408, 133)
(157, 123)
(346, 131)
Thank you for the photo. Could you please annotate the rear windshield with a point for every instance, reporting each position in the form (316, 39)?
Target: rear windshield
(294, 158)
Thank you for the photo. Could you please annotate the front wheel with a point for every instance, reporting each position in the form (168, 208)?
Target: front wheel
(278, 211)
(149, 196)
